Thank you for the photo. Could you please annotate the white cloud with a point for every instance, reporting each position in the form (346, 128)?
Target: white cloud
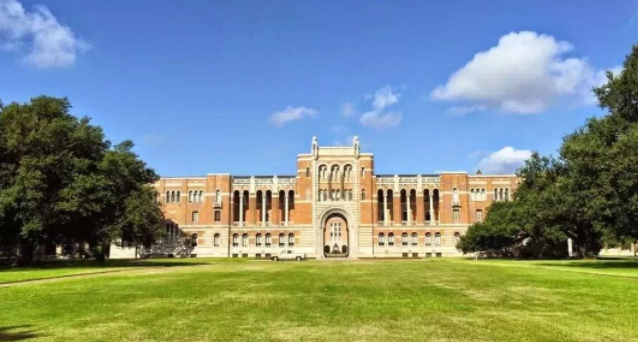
(524, 73)
(505, 160)
(376, 117)
(348, 109)
(464, 110)
(48, 43)
(291, 114)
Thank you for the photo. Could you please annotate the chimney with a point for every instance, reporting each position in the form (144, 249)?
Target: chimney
(479, 172)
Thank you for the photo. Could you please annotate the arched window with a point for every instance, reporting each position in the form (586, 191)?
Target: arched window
(291, 239)
(307, 172)
(437, 239)
(201, 196)
(268, 241)
(179, 196)
(381, 239)
(391, 239)
(500, 195)
(455, 196)
(495, 195)
(363, 194)
(244, 240)
(322, 171)
(172, 196)
(218, 196)
(216, 240)
(428, 239)
(258, 240)
(483, 196)
(457, 238)
(347, 172)
(282, 240)
(235, 240)
(190, 196)
(472, 195)
(414, 239)
(168, 196)
(404, 239)
(507, 194)
(363, 172)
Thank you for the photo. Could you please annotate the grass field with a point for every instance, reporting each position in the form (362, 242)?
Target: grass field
(392, 300)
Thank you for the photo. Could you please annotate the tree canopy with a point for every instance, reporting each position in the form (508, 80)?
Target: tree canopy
(588, 194)
(62, 181)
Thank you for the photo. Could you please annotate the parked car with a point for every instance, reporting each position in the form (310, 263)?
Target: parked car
(289, 254)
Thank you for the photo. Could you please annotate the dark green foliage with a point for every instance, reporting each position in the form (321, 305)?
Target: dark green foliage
(60, 181)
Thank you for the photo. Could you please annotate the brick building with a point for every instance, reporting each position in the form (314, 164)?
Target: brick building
(334, 205)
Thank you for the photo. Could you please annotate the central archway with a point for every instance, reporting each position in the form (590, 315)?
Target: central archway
(336, 236)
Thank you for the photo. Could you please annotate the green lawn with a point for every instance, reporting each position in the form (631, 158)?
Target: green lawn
(393, 300)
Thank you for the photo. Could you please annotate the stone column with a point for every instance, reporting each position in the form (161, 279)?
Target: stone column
(432, 210)
(407, 207)
(264, 198)
(570, 249)
(241, 208)
(286, 213)
(385, 208)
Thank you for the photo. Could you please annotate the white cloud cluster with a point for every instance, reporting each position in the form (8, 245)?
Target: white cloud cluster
(505, 160)
(48, 43)
(524, 73)
(291, 114)
(378, 117)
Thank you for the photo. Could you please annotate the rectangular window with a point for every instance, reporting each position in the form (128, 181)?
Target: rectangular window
(414, 239)
(456, 215)
(195, 216)
(258, 240)
(479, 215)
(218, 216)
(437, 239)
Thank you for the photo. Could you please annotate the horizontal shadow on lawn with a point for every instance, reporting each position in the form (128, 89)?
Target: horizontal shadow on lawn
(59, 264)
(17, 333)
(597, 264)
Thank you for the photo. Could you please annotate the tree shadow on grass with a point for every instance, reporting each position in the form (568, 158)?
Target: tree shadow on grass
(624, 264)
(60, 264)
(17, 333)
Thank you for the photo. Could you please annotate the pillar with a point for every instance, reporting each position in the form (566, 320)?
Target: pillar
(286, 212)
(241, 209)
(264, 198)
(432, 210)
(408, 209)
(570, 247)
(385, 208)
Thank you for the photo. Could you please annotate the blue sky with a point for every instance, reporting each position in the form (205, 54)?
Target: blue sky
(241, 87)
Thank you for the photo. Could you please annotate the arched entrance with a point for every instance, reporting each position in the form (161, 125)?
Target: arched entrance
(335, 236)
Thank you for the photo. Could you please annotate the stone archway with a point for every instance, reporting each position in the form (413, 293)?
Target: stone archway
(336, 235)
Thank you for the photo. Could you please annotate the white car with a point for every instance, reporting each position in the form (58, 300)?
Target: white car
(288, 254)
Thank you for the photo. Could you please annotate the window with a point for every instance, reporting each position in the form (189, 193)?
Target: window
(457, 238)
(179, 195)
(235, 238)
(507, 194)
(258, 240)
(168, 196)
(190, 196)
(268, 242)
(414, 239)
(244, 240)
(495, 195)
(363, 194)
(428, 239)
(172, 196)
(201, 196)
(479, 215)
(391, 239)
(437, 239)
(195, 216)
(455, 196)
(216, 240)
(218, 196)
(483, 196)
(307, 172)
(218, 215)
(472, 195)
(194, 240)
(282, 240)
(456, 214)
(381, 239)
(291, 239)
(363, 172)
(404, 239)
